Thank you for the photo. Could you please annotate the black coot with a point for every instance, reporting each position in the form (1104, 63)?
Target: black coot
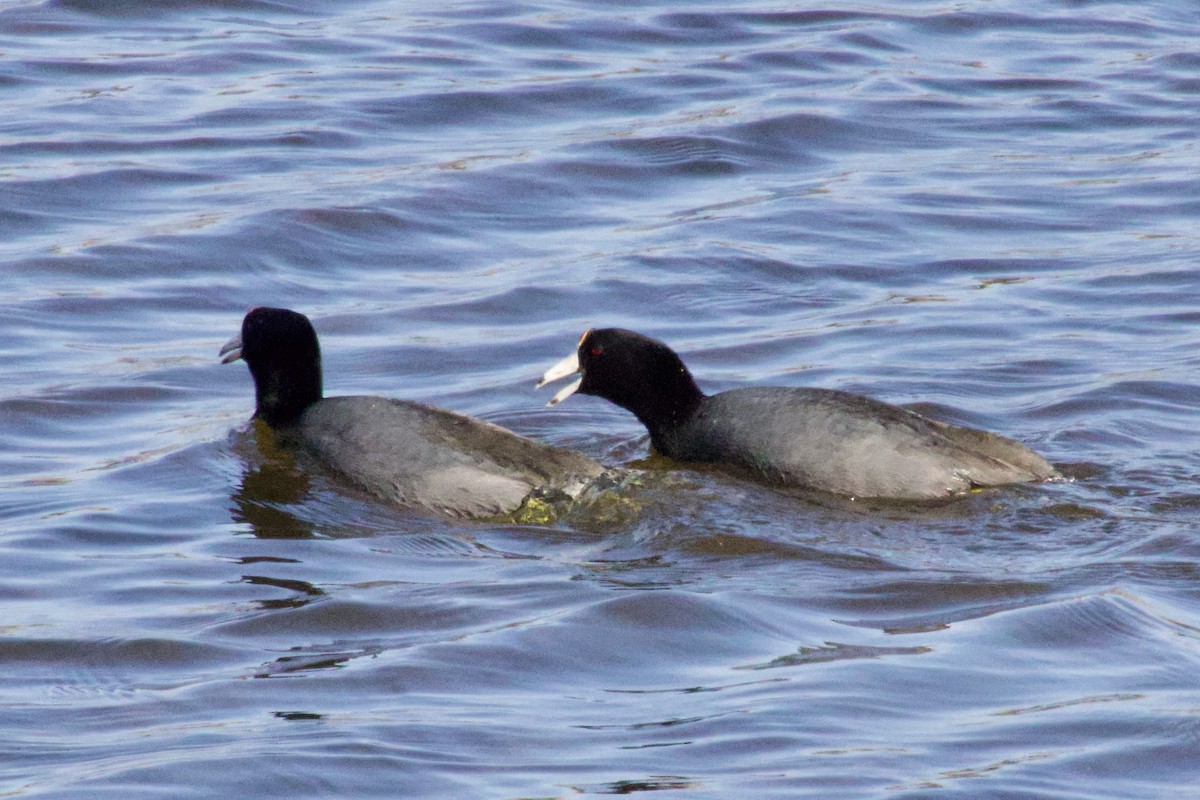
(412, 454)
(821, 439)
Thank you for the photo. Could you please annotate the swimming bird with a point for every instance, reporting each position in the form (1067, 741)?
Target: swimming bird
(408, 453)
(821, 439)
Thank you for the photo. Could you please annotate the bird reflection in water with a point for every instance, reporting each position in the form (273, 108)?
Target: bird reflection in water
(271, 484)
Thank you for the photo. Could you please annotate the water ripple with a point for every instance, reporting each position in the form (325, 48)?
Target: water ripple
(985, 212)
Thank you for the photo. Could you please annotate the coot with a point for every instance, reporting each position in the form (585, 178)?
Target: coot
(408, 453)
(820, 439)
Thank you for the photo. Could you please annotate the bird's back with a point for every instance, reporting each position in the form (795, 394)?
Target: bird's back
(846, 443)
(424, 457)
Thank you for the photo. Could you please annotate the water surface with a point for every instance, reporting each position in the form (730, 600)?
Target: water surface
(985, 209)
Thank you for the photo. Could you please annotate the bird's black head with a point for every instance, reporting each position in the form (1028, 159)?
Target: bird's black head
(640, 374)
(280, 348)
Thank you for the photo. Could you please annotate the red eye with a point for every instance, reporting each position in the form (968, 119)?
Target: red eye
(597, 351)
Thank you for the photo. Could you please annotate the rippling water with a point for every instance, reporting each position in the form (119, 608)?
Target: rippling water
(988, 209)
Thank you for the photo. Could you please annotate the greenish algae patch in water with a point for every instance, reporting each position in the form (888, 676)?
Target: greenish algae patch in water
(603, 505)
(534, 510)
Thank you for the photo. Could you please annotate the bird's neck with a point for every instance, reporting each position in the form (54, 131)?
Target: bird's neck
(280, 398)
(668, 405)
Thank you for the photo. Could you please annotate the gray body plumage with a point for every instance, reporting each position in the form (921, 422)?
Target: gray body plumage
(424, 457)
(840, 442)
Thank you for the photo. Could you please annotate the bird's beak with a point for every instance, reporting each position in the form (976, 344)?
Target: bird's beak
(568, 366)
(232, 350)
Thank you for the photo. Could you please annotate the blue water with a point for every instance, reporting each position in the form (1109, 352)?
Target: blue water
(987, 210)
